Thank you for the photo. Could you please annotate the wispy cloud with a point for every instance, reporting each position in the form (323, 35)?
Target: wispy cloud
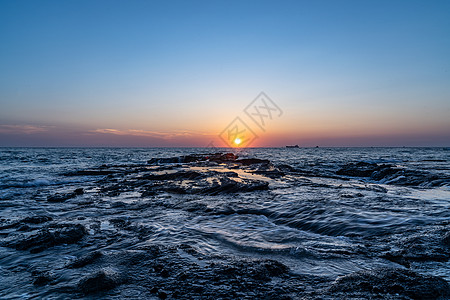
(167, 135)
(23, 129)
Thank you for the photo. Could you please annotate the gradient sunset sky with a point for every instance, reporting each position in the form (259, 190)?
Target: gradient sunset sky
(176, 73)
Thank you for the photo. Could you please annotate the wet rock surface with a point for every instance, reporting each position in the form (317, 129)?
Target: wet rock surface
(63, 197)
(187, 179)
(391, 174)
(101, 280)
(423, 246)
(25, 222)
(86, 259)
(220, 226)
(47, 237)
(41, 277)
(181, 272)
(392, 282)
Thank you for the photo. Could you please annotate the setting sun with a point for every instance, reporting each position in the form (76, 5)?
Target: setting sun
(237, 141)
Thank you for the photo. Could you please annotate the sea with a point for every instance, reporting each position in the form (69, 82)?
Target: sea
(311, 217)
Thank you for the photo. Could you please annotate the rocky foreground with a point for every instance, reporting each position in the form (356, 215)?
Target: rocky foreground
(77, 257)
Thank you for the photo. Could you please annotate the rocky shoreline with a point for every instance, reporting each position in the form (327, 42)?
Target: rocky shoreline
(117, 257)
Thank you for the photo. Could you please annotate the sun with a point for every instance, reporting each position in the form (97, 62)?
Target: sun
(237, 141)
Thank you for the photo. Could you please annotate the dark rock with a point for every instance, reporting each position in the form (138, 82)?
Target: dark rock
(176, 190)
(130, 259)
(389, 174)
(267, 169)
(446, 239)
(252, 161)
(274, 268)
(148, 193)
(63, 197)
(192, 158)
(347, 196)
(425, 246)
(360, 169)
(89, 172)
(122, 223)
(161, 270)
(41, 277)
(393, 281)
(182, 272)
(222, 158)
(188, 249)
(376, 188)
(162, 295)
(230, 186)
(79, 191)
(207, 183)
(60, 197)
(9, 224)
(86, 259)
(168, 160)
(114, 189)
(384, 171)
(118, 204)
(399, 259)
(260, 270)
(153, 181)
(230, 174)
(267, 269)
(181, 175)
(214, 157)
(49, 237)
(102, 280)
(286, 168)
(195, 207)
(271, 173)
(23, 227)
(22, 224)
(36, 219)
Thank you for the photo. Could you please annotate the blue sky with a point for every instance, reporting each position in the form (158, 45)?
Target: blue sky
(175, 73)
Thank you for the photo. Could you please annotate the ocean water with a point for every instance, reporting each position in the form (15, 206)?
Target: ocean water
(313, 220)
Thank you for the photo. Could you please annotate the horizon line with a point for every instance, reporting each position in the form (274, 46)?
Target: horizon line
(237, 148)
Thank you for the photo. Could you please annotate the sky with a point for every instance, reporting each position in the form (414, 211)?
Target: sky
(179, 73)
